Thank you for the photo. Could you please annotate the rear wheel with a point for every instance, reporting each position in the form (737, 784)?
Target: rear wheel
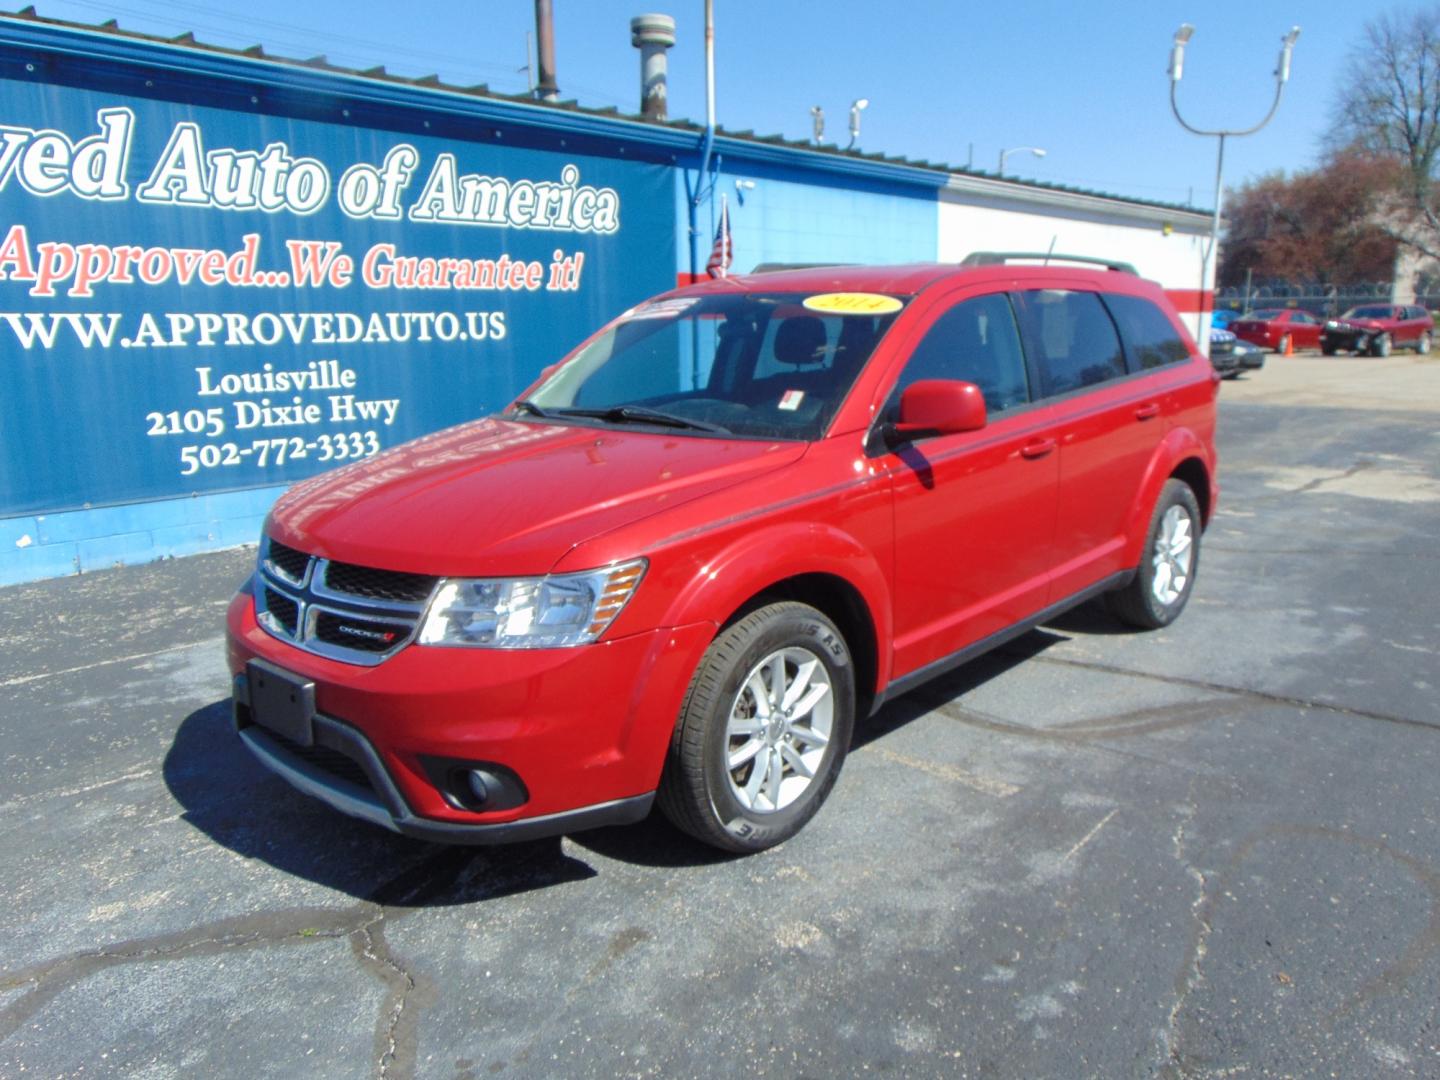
(763, 731)
(1283, 345)
(1166, 574)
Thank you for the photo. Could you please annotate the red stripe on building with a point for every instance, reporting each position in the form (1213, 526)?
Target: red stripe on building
(1191, 301)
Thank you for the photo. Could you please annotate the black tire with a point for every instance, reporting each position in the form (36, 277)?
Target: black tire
(1329, 350)
(1380, 346)
(699, 793)
(1138, 603)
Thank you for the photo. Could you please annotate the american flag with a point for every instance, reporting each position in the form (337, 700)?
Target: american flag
(721, 254)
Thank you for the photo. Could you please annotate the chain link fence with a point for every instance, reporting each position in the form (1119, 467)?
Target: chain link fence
(1321, 300)
(1314, 297)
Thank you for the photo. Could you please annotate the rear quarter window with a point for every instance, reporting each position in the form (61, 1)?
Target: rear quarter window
(1150, 337)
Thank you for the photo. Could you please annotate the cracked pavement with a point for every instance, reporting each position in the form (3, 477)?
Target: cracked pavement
(1204, 852)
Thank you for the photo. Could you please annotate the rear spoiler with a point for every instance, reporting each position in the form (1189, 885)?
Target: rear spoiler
(1000, 258)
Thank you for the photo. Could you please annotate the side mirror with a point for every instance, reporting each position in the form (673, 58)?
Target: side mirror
(940, 407)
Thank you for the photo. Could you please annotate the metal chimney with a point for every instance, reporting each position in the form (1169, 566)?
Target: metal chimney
(545, 87)
(652, 35)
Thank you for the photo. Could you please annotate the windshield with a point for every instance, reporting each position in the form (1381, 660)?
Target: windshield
(1367, 313)
(1267, 314)
(767, 365)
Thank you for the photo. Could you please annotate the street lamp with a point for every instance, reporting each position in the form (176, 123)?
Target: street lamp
(1177, 69)
(855, 107)
(1017, 150)
(817, 123)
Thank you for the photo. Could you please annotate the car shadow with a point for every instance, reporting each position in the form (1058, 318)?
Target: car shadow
(953, 685)
(239, 804)
(230, 797)
(1093, 618)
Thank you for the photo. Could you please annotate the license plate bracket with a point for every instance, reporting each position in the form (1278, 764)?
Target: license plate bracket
(282, 702)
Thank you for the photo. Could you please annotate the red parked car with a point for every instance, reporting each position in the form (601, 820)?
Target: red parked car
(1278, 328)
(728, 527)
(1377, 328)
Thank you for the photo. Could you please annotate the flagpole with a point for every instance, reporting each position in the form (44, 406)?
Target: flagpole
(724, 235)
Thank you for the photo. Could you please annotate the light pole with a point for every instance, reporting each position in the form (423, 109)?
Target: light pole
(855, 107)
(817, 124)
(1017, 150)
(1177, 69)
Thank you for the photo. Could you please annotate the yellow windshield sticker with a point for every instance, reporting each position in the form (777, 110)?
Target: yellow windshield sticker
(853, 303)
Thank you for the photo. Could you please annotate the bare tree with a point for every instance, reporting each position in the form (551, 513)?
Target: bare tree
(1391, 108)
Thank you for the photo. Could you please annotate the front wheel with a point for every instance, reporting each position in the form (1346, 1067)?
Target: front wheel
(1422, 346)
(1166, 574)
(763, 731)
(1380, 346)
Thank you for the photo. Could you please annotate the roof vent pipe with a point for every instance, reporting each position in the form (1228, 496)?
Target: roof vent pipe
(545, 86)
(652, 35)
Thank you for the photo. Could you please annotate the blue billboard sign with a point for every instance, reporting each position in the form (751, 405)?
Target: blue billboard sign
(201, 299)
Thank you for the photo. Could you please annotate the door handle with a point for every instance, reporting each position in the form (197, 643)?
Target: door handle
(1147, 412)
(1037, 448)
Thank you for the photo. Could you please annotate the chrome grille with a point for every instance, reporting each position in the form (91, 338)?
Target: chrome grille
(356, 614)
(285, 610)
(378, 584)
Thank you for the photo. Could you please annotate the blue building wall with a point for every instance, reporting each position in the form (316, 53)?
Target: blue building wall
(83, 498)
(794, 215)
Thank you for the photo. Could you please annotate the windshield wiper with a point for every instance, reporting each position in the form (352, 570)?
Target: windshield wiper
(525, 405)
(638, 414)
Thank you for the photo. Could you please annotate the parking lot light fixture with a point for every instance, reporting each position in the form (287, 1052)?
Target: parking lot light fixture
(1177, 69)
(1017, 150)
(1177, 51)
(855, 107)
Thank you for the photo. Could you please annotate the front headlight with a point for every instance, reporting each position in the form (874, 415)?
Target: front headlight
(529, 613)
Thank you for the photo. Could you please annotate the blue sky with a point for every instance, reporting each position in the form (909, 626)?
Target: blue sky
(1087, 82)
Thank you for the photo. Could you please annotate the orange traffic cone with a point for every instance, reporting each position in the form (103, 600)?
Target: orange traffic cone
(1289, 344)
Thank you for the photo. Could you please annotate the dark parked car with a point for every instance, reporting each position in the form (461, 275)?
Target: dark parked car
(1277, 328)
(1231, 357)
(1377, 328)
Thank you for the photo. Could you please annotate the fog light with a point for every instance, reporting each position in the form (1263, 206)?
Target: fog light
(479, 786)
(479, 789)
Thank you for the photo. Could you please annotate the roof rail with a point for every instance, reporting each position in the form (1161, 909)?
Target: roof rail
(999, 258)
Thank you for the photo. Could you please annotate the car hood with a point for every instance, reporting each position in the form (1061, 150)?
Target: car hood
(502, 497)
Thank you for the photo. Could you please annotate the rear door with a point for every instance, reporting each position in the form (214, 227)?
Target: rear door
(1111, 413)
(975, 511)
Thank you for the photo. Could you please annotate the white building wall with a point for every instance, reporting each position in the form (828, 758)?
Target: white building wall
(1164, 245)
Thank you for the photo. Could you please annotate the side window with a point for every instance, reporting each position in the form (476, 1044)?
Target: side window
(975, 341)
(1150, 337)
(1074, 338)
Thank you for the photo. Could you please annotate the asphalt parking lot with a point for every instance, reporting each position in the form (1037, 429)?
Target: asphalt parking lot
(1206, 852)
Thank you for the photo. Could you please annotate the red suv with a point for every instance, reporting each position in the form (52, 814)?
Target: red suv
(732, 523)
(1376, 328)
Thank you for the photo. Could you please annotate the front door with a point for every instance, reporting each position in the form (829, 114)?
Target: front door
(975, 511)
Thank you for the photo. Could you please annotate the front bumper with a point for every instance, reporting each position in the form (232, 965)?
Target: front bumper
(1348, 339)
(585, 729)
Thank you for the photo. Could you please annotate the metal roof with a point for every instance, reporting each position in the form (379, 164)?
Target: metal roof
(674, 135)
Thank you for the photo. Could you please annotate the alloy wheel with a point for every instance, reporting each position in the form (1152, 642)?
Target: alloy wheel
(1173, 556)
(779, 726)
